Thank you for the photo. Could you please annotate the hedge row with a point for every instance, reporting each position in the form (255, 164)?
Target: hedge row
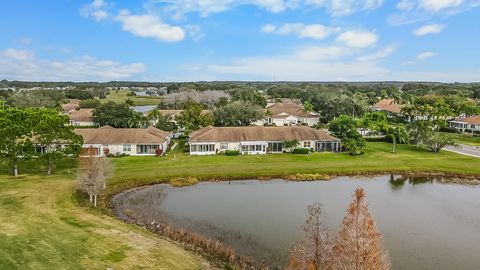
(301, 151)
(232, 153)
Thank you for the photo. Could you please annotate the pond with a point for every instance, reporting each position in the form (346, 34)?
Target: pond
(425, 223)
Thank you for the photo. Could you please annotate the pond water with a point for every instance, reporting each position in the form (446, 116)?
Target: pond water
(425, 223)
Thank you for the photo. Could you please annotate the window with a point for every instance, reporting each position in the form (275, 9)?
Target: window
(275, 147)
(472, 126)
(147, 149)
(253, 148)
(224, 146)
(202, 148)
(127, 147)
(307, 144)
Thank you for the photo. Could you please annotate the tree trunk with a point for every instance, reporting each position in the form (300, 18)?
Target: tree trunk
(15, 169)
(394, 147)
(91, 198)
(95, 200)
(50, 167)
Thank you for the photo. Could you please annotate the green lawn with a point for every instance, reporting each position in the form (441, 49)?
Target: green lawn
(132, 171)
(466, 139)
(42, 227)
(120, 96)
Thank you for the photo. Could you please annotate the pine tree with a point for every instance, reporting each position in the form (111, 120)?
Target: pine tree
(358, 245)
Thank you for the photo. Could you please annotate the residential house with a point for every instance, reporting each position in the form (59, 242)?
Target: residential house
(73, 104)
(288, 114)
(468, 124)
(259, 139)
(131, 141)
(81, 118)
(392, 108)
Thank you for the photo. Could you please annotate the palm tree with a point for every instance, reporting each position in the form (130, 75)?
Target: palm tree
(398, 133)
(153, 115)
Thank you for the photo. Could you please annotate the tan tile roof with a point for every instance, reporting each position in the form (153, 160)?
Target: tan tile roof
(71, 105)
(283, 110)
(110, 135)
(82, 115)
(389, 105)
(469, 120)
(259, 133)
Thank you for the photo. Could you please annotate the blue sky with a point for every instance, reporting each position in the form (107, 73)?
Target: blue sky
(191, 40)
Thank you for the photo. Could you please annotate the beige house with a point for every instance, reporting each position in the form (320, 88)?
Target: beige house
(72, 104)
(288, 114)
(393, 108)
(81, 118)
(471, 124)
(259, 139)
(131, 141)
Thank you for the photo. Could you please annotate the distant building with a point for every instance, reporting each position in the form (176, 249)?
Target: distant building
(288, 114)
(259, 139)
(468, 124)
(81, 118)
(131, 141)
(72, 104)
(392, 108)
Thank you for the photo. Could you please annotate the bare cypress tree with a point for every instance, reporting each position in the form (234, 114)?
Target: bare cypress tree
(93, 175)
(313, 250)
(358, 245)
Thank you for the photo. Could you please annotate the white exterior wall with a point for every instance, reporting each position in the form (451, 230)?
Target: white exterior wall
(461, 126)
(117, 149)
(82, 124)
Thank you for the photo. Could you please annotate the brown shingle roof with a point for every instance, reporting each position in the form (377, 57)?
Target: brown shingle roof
(283, 110)
(389, 105)
(469, 120)
(109, 135)
(82, 115)
(71, 105)
(259, 133)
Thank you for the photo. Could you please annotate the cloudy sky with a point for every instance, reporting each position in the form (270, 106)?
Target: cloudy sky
(289, 40)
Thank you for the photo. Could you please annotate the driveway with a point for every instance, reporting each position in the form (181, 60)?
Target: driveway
(463, 149)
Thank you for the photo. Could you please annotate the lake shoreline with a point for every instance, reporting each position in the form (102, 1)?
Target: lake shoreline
(219, 254)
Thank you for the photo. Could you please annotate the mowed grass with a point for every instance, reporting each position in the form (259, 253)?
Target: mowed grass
(466, 139)
(42, 227)
(121, 96)
(378, 158)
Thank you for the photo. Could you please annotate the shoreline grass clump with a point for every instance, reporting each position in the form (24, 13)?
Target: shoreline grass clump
(183, 181)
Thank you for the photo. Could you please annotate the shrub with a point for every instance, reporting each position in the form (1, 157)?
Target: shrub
(232, 153)
(448, 129)
(376, 139)
(301, 151)
(158, 152)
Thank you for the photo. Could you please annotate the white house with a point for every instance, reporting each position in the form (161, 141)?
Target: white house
(81, 117)
(131, 141)
(288, 114)
(471, 124)
(259, 139)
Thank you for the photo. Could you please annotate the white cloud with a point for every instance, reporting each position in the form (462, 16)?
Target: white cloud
(96, 10)
(23, 65)
(406, 5)
(358, 38)
(437, 5)
(425, 55)
(345, 7)
(149, 26)
(314, 31)
(378, 55)
(194, 31)
(429, 29)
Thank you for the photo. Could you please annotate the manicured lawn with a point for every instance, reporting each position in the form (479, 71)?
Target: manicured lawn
(466, 139)
(121, 95)
(378, 158)
(42, 227)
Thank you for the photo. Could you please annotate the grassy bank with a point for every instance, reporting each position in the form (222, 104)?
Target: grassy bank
(467, 139)
(134, 171)
(121, 96)
(42, 227)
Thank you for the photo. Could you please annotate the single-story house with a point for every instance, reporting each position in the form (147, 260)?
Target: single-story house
(471, 124)
(259, 139)
(131, 141)
(288, 114)
(72, 104)
(391, 107)
(81, 118)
